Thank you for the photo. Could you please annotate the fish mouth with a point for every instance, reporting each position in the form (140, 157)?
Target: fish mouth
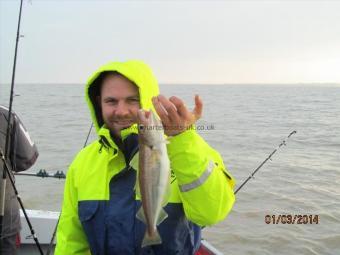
(144, 118)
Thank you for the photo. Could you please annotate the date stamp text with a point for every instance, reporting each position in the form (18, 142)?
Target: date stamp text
(292, 219)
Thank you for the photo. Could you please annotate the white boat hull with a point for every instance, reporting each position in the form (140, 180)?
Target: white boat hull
(43, 223)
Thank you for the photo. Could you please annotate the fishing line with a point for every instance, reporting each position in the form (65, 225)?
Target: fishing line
(88, 135)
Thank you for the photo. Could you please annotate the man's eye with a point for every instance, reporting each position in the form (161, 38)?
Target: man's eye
(111, 102)
(134, 100)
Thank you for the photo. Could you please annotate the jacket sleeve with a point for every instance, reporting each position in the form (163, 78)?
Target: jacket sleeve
(206, 188)
(71, 237)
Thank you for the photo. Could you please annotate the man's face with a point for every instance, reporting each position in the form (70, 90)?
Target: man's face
(119, 99)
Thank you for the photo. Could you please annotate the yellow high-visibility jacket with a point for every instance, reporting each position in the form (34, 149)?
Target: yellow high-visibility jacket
(100, 201)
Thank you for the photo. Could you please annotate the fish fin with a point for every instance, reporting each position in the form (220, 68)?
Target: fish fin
(155, 156)
(140, 215)
(168, 190)
(162, 216)
(167, 194)
(137, 189)
(151, 240)
(135, 161)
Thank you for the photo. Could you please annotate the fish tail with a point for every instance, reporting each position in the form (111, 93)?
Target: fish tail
(153, 239)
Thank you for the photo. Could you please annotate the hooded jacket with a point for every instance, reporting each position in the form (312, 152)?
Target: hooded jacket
(100, 202)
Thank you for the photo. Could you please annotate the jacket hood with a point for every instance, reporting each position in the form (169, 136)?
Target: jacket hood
(136, 71)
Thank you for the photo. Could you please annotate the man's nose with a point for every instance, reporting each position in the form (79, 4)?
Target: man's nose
(121, 109)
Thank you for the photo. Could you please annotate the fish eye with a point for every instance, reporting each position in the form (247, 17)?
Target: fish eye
(141, 127)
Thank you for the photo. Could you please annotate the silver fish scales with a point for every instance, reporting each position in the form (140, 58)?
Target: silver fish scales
(153, 175)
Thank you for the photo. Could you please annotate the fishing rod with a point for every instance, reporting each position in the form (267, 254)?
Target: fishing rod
(8, 132)
(56, 226)
(7, 168)
(5, 155)
(268, 158)
(4, 173)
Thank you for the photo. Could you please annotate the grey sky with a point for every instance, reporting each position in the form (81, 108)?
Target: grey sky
(183, 41)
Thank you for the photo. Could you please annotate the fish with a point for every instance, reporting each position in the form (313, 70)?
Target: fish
(153, 175)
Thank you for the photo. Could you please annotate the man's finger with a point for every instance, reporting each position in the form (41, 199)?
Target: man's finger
(162, 113)
(180, 105)
(198, 107)
(169, 107)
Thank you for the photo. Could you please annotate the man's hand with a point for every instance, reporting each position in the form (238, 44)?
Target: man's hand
(174, 115)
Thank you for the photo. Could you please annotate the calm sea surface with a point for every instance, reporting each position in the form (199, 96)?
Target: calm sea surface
(245, 123)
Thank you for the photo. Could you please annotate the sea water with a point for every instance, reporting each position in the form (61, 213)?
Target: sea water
(245, 123)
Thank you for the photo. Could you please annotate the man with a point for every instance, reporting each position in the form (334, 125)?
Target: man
(100, 202)
(22, 155)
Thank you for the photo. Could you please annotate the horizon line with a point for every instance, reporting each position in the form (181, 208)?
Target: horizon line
(200, 84)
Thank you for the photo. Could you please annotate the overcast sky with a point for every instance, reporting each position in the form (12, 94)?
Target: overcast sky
(183, 41)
